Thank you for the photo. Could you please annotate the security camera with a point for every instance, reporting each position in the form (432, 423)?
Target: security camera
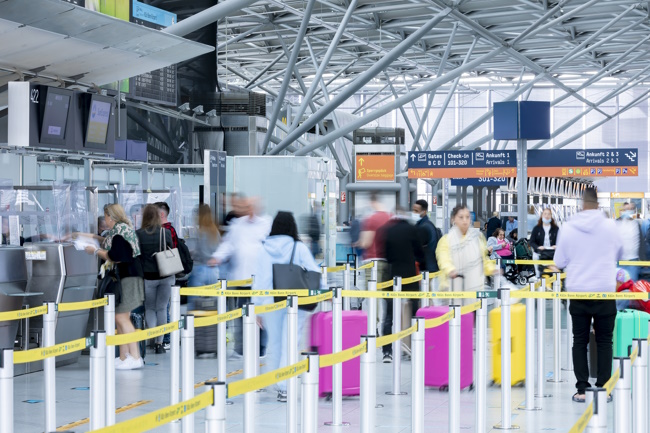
(198, 110)
(211, 113)
(184, 107)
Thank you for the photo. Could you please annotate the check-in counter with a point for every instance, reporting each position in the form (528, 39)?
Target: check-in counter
(62, 274)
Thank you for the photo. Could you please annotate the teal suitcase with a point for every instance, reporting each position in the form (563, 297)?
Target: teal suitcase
(630, 324)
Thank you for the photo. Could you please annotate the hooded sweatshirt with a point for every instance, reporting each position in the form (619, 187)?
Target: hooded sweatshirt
(277, 249)
(588, 248)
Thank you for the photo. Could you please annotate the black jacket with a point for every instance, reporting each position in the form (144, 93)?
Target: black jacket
(493, 224)
(537, 240)
(149, 245)
(122, 254)
(429, 239)
(403, 248)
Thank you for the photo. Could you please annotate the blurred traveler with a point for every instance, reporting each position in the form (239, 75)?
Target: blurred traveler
(368, 240)
(513, 237)
(498, 246)
(511, 224)
(102, 228)
(543, 239)
(631, 234)
(157, 289)
(463, 251)
(205, 270)
(280, 247)
(492, 224)
(164, 215)
(588, 248)
(313, 231)
(236, 210)
(120, 249)
(355, 235)
(428, 233)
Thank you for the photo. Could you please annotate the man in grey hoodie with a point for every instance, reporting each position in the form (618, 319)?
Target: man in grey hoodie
(588, 248)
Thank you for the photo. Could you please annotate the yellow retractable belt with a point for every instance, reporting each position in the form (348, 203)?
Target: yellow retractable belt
(162, 416)
(315, 299)
(240, 283)
(366, 266)
(438, 321)
(597, 296)
(191, 291)
(535, 262)
(390, 339)
(23, 314)
(634, 355)
(86, 305)
(634, 263)
(336, 358)
(134, 337)
(215, 319)
(24, 356)
(470, 308)
(581, 424)
(611, 383)
(267, 379)
(336, 269)
(408, 295)
(261, 309)
(384, 285)
(410, 280)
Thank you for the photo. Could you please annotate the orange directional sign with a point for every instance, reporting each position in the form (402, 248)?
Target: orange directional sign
(375, 168)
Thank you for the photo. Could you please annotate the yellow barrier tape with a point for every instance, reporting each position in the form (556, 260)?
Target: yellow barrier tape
(611, 383)
(435, 274)
(336, 269)
(23, 314)
(240, 283)
(470, 308)
(576, 295)
(384, 285)
(535, 262)
(634, 355)
(261, 309)
(315, 299)
(438, 321)
(343, 356)
(86, 305)
(24, 356)
(267, 379)
(134, 337)
(162, 416)
(633, 263)
(411, 280)
(390, 339)
(121, 409)
(366, 266)
(408, 295)
(193, 291)
(581, 424)
(217, 318)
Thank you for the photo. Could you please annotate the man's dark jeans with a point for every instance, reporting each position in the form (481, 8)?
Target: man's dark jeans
(603, 314)
(387, 327)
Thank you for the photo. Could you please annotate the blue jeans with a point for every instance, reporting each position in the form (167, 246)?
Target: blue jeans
(202, 275)
(276, 325)
(622, 304)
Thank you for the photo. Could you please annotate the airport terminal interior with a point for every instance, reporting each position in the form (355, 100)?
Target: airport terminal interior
(324, 216)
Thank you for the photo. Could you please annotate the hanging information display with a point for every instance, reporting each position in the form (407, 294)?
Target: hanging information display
(583, 163)
(471, 164)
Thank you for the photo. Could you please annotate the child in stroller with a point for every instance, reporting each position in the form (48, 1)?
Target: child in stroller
(520, 274)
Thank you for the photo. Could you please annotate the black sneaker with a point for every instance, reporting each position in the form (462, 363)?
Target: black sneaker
(388, 358)
(159, 349)
(282, 396)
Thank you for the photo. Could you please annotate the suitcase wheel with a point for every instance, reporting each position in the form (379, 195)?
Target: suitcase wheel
(328, 397)
(471, 387)
(444, 388)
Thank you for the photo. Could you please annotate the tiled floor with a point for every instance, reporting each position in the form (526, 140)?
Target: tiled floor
(152, 383)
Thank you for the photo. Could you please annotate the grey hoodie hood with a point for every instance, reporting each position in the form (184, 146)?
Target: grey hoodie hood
(588, 221)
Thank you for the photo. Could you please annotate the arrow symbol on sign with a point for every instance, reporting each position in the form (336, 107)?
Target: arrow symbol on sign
(361, 160)
(412, 157)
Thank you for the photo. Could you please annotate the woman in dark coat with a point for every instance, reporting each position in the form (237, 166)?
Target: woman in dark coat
(544, 237)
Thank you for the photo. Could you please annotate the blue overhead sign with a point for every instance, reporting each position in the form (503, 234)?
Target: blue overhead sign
(153, 14)
(462, 164)
(481, 181)
(583, 163)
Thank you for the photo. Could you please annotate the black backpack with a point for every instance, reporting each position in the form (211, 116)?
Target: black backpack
(186, 257)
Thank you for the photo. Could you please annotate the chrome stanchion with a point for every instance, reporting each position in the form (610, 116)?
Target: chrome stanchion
(372, 309)
(622, 395)
(222, 339)
(454, 370)
(7, 391)
(187, 375)
(215, 414)
(310, 394)
(506, 380)
(98, 380)
(337, 369)
(368, 384)
(397, 345)
(325, 306)
(49, 365)
(541, 330)
(640, 388)
(175, 346)
(530, 353)
(417, 376)
(374, 271)
(292, 358)
(557, 333)
(424, 287)
(250, 327)
(481, 368)
(346, 286)
(598, 421)
(109, 327)
(569, 339)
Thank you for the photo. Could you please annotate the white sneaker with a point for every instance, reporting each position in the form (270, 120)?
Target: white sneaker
(137, 363)
(123, 364)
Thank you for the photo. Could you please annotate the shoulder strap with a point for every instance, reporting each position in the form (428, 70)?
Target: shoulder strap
(162, 240)
(293, 252)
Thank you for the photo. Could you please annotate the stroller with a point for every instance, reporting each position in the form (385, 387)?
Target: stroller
(520, 274)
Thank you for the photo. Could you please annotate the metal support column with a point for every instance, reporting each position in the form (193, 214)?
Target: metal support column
(368, 385)
(640, 388)
(530, 353)
(346, 286)
(292, 358)
(309, 399)
(569, 339)
(481, 368)
(337, 369)
(187, 376)
(541, 330)
(506, 381)
(557, 333)
(98, 381)
(109, 327)
(417, 376)
(250, 328)
(454, 370)
(397, 345)
(49, 328)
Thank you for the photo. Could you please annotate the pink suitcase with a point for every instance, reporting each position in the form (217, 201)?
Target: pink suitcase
(354, 326)
(436, 350)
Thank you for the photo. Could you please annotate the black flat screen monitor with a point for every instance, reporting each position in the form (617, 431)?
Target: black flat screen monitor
(55, 116)
(98, 121)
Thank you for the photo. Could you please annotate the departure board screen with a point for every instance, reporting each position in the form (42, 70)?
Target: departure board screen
(55, 118)
(98, 118)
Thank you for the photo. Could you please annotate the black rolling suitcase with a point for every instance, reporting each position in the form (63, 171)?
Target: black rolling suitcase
(139, 323)
(205, 338)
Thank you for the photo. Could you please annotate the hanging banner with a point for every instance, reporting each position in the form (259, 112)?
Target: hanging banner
(583, 163)
(375, 167)
(471, 164)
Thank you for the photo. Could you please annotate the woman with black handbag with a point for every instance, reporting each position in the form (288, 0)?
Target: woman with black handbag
(120, 249)
(544, 237)
(284, 263)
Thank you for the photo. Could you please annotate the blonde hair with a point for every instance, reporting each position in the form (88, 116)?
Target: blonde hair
(117, 214)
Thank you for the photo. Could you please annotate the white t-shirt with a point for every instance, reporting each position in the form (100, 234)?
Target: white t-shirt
(629, 231)
(547, 237)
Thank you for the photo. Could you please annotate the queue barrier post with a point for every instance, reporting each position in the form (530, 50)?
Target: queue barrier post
(424, 287)
(569, 338)
(598, 421)
(481, 367)
(346, 286)
(98, 381)
(250, 327)
(397, 345)
(454, 370)
(417, 376)
(215, 414)
(109, 327)
(292, 357)
(325, 306)
(372, 309)
(374, 271)
(337, 369)
(506, 384)
(647, 409)
(310, 394)
(622, 395)
(175, 346)
(530, 352)
(258, 339)
(49, 365)
(640, 387)
(557, 332)
(541, 329)
(368, 384)
(187, 375)
(7, 390)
